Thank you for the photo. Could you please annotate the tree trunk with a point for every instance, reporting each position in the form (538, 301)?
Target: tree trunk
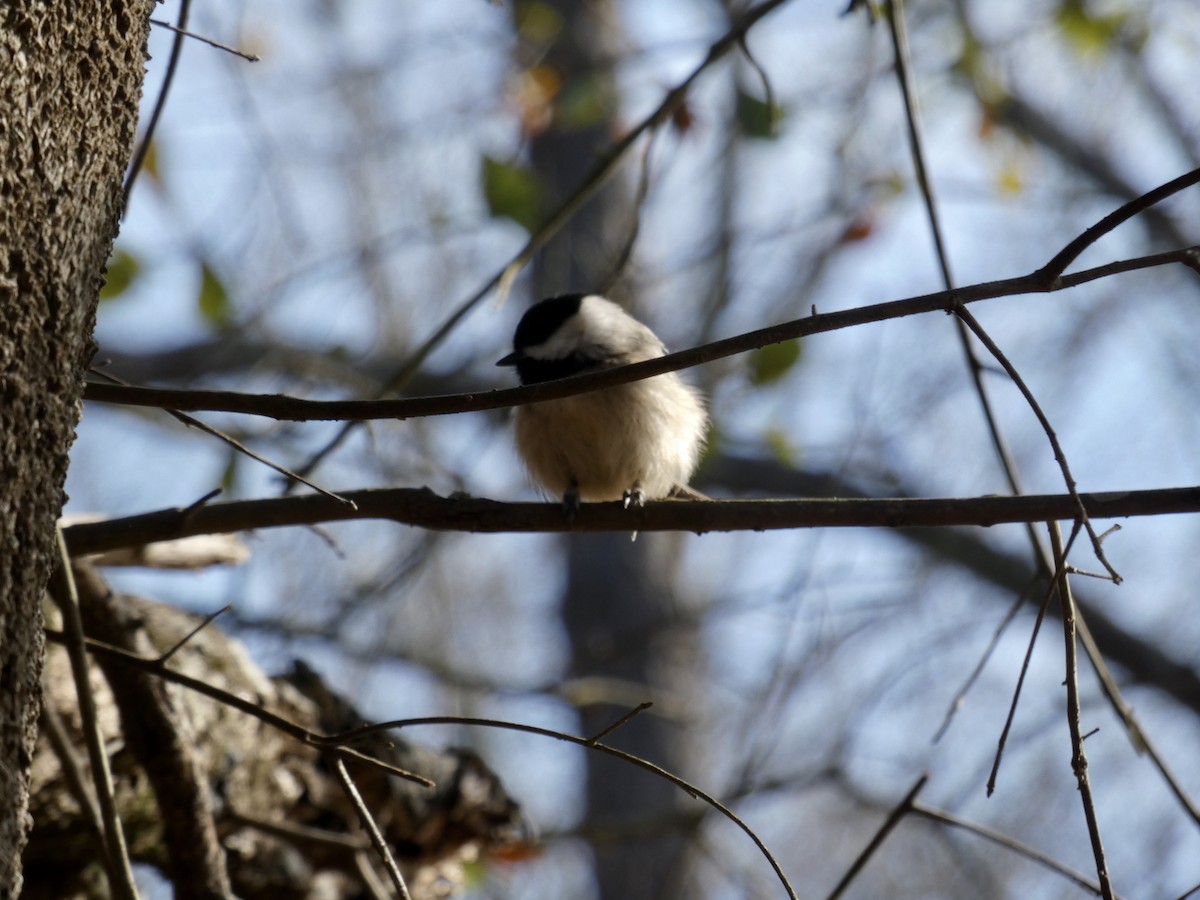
(614, 606)
(70, 81)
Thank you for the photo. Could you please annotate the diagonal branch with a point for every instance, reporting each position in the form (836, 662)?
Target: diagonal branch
(903, 808)
(603, 169)
(285, 408)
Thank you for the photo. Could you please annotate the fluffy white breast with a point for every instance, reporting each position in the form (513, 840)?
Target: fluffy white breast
(646, 435)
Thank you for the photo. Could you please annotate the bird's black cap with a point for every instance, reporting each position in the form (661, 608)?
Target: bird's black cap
(539, 322)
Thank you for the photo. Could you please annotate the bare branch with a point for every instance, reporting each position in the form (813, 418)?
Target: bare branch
(143, 149)
(591, 744)
(284, 408)
(903, 808)
(249, 57)
(116, 853)
(1071, 252)
(422, 507)
(1003, 840)
(1079, 763)
(368, 823)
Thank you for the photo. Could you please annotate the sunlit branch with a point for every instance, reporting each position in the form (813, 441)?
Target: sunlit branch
(285, 408)
(423, 508)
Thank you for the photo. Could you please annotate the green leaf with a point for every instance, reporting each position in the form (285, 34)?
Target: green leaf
(757, 118)
(1091, 35)
(780, 446)
(585, 102)
(539, 23)
(213, 299)
(230, 475)
(770, 363)
(513, 192)
(123, 269)
(474, 872)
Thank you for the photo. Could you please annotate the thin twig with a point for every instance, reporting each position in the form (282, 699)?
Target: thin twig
(376, 889)
(243, 449)
(249, 57)
(686, 787)
(368, 823)
(1079, 763)
(1012, 706)
(233, 442)
(73, 771)
(158, 737)
(152, 666)
(208, 620)
(1059, 456)
(975, 366)
(1053, 269)
(976, 369)
(143, 149)
(285, 408)
(116, 853)
(1009, 843)
(629, 716)
(899, 33)
(351, 753)
(903, 808)
(205, 499)
(969, 682)
(294, 832)
(635, 226)
(1058, 264)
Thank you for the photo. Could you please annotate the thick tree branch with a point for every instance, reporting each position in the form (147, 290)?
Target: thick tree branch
(423, 508)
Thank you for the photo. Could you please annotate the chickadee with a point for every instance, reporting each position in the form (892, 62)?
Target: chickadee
(631, 442)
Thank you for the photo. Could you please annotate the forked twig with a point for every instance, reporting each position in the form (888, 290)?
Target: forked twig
(621, 722)
(1079, 763)
(903, 808)
(1012, 706)
(369, 825)
(691, 790)
(1058, 264)
(1003, 840)
(1052, 272)
(1059, 456)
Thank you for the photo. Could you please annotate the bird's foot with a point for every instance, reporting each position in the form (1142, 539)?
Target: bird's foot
(570, 502)
(635, 497)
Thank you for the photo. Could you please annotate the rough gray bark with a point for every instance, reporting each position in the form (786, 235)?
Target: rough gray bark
(70, 81)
